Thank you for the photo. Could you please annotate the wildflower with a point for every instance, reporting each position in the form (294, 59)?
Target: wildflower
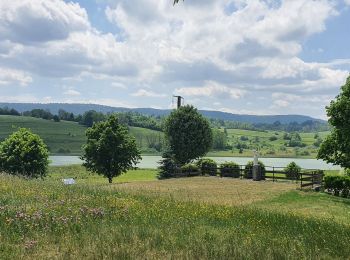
(30, 244)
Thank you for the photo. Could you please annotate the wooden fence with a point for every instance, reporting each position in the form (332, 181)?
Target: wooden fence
(310, 178)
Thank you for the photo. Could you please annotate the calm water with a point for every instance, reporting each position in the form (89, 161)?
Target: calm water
(151, 162)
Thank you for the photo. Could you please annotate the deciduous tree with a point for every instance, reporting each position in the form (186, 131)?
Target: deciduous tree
(336, 147)
(110, 150)
(188, 133)
(24, 153)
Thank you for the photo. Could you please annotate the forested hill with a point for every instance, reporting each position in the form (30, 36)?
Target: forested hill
(81, 108)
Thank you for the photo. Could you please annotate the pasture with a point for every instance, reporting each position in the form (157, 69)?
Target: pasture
(68, 137)
(139, 217)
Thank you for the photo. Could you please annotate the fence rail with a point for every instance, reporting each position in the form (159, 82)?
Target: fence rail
(307, 177)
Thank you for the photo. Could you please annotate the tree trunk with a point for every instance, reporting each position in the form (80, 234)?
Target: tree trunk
(110, 179)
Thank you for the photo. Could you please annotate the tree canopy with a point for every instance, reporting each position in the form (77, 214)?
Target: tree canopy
(24, 153)
(188, 133)
(336, 147)
(110, 150)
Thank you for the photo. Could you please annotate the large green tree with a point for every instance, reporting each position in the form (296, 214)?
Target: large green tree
(336, 147)
(188, 133)
(110, 150)
(24, 153)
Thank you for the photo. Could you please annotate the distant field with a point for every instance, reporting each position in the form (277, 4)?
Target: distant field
(61, 137)
(261, 140)
(68, 137)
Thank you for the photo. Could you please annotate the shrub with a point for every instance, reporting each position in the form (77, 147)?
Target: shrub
(207, 166)
(62, 150)
(230, 169)
(273, 138)
(168, 167)
(24, 153)
(293, 171)
(248, 170)
(347, 172)
(190, 169)
(337, 184)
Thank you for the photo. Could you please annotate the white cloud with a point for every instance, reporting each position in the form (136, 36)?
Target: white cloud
(72, 92)
(26, 21)
(10, 76)
(212, 89)
(147, 93)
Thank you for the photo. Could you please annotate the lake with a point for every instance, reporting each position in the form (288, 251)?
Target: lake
(152, 162)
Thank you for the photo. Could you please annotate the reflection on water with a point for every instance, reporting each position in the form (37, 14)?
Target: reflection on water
(152, 162)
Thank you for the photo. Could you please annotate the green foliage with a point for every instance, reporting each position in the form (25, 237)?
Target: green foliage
(24, 153)
(248, 170)
(293, 171)
(219, 139)
(338, 185)
(207, 166)
(336, 147)
(190, 169)
(188, 134)
(230, 169)
(273, 138)
(110, 150)
(168, 167)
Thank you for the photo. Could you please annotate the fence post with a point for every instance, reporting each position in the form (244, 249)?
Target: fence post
(301, 180)
(313, 179)
(273, 174)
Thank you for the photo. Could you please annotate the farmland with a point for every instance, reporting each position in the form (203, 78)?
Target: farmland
(141, 217)
(68, 137)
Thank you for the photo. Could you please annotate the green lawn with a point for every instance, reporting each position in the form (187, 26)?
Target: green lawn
(139, 217)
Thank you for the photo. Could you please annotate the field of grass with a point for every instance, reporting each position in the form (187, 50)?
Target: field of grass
(139, 217)
(68, 137)
(261, 140)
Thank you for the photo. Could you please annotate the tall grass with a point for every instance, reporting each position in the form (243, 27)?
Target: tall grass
(43, 219)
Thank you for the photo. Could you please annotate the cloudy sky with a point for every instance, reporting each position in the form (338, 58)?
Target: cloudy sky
(240, 56)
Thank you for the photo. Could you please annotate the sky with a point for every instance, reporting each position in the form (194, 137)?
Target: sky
(238, 56)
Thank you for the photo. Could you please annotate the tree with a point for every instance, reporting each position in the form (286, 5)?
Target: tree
(56, 118)
(24, 153)
(188, 134)
(336, 147)
(110, 150)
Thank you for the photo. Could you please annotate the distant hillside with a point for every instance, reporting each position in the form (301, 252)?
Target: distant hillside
(68, 137)
(81, 108)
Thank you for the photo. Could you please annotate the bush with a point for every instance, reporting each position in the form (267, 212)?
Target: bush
(168, 167)
(207, 166)
(338, 185)
(248, 170)
(24, 153)
(273, 138)
(347, 172)
(63, 151)
(292, 171)
(190, 170)
(230, 169)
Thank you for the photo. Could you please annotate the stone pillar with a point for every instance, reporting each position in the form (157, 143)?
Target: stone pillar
(257, 173)
(256, 168)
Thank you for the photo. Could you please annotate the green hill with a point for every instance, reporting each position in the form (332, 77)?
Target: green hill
(68, 137)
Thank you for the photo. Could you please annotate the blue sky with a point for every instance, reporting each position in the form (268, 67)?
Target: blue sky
(239, 56)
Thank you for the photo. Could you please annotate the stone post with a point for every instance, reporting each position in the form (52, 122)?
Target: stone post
(256, 168)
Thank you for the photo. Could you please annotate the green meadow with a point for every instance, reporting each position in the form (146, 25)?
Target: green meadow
(66, 138)
(140, 217)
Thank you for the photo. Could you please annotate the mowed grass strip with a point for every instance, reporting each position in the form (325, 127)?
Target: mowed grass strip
(41, 219)
(212, 190)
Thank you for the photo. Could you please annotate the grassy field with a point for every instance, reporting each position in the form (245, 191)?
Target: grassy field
(139, 217)
(68, 137)
(261, 140)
